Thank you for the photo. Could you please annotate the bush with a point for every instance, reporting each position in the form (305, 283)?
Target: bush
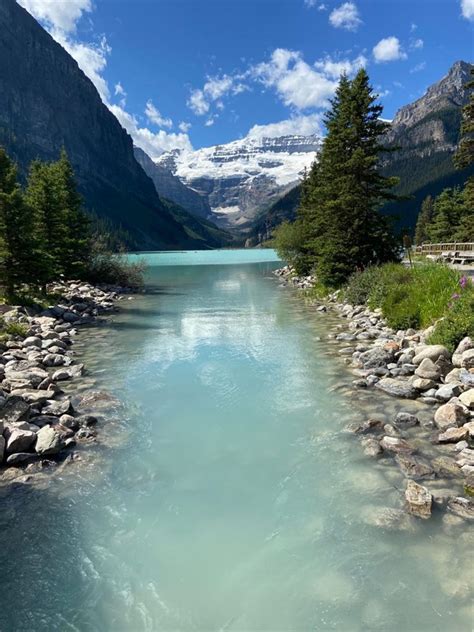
(114, 268)
(458, 321)
(409, 297)
(13, 329)
(287, 240)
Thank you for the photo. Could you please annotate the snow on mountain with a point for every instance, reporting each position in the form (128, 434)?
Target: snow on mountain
(244, 177)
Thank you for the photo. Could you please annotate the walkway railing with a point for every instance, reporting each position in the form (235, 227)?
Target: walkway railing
(460, 253)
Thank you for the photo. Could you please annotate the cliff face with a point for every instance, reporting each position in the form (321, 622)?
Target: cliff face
(170, 186)
(46, 103)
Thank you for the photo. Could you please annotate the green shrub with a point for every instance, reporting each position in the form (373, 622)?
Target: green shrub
(114, 268)
(458, 321)
(14, 329)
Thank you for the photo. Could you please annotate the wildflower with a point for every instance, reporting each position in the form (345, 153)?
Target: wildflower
(455, 296)
(463, 281)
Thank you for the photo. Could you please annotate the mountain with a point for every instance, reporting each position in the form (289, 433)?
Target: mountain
(424, 135)
(241, 179)
(46, 103)
(167, 185)
(170, 186)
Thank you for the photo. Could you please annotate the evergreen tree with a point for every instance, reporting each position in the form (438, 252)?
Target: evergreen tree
(425, 217)
(465, 158)
(448, 212)
(77, 243)
(17, 253)
(339, 210)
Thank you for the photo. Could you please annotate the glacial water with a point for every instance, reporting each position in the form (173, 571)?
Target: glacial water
(225, 496)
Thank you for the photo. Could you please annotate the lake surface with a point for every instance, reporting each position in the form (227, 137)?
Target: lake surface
(226, 496)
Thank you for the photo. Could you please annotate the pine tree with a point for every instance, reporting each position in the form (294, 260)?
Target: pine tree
(17, 254)
(465, 158)
(339, 208)
(77, 243)
(448, 211)
(43, 195)
(425, 217)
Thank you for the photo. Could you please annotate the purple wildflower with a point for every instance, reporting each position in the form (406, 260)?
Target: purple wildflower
(455, 296)
(463, 281)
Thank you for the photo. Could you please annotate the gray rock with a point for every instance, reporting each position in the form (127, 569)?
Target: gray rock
(19, 458)
(15, 409)
(57, 407)
(20, 440)
(376, 357)
(2, 448)
(453, 376)
(68, 421)
(423, 384)
(447, 391)
(432, 352)
(53, 359)
(395, 445)
(450, 414)
(467, 359)
(418, 499)
(465, 344)
(466, 377)
(371, 446)
(461, 507)
(467, 398)
(32, 341)
(397, 388)
(453, 435)
(413, 467)
(428, 370)
(32, 397)
(49, 441)
(406, 420)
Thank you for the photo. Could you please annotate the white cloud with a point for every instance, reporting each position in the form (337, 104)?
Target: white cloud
(296, 82)
(334, 69)
(315, 3)
(91, 58)
(210, 121)
(418, 68)
(184, 127)
(154, 116)
(119, 91)
(467, 9)
(299, 125)
(413, 27)
(346, 17)
(417, 44)
(214, 90)
(388, 49)
(60, 15)
(322, 7)
(154, 144)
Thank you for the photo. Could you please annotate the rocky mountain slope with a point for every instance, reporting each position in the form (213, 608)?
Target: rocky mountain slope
(426, 134)
(244, 177)
(46, 103)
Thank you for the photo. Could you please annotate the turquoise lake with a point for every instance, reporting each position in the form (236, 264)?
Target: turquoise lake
(225, 495)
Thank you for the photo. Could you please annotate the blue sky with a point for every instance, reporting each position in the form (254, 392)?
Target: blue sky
(193, 73)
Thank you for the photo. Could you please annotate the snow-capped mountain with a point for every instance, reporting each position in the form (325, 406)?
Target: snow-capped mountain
(244, 177)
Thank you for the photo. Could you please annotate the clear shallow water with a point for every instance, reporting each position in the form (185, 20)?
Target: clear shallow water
(228, 498)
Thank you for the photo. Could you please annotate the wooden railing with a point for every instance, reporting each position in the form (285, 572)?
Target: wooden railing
(451, 247)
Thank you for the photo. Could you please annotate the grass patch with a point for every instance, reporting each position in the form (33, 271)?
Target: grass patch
(13, 329)
(417, 297)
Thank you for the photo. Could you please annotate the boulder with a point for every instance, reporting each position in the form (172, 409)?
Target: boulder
(2, 448)
(395, 444)
(447, 391)
(371, 446)
(53, 359)
(470, 428)
(20, 440)
(465, 344)
(450, 414)
(397, 388)
(57, 407)
(467, 398)
(371, 425)
(428, 370)
(432, 352)
(376, 357)
(418, 500)
(413, 467)
(32, 397)
(32, 341)
(467, 359)
(19, 458)
(462, 507)
(68, 421)
(423, 384)
(453, 376)
(445, 466)
(49, 441)
(15, 409)
(466, 377)
(453, 435)
(406, 420)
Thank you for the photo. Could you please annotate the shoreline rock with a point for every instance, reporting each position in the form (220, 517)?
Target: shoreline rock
(401, 364)
(38, 421)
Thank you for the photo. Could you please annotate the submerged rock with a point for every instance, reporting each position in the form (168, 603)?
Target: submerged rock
(406, 420)
(413, 467)
(462, 507)
(418, 499)
(397, 388)
(395, 444)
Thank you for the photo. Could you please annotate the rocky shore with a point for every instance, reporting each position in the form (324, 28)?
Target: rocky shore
(430, 449)
(39, 424)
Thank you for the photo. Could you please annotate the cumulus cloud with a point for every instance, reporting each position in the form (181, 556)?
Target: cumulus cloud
(297, 83)
(388, 49)
(467, 9)
(335, 68)
(214, 90)
(184, 127)
(154, 144)
(315, 3)
(299, 125)
(154, 116)
(60, 15)
(346, 17)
